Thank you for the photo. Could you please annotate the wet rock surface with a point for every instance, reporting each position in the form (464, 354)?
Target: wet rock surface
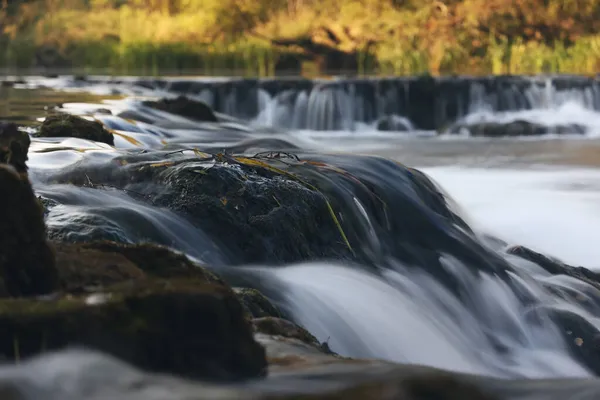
(555, 266)
(516, 128)
(261, 215)
(185, 107)
(67, 125)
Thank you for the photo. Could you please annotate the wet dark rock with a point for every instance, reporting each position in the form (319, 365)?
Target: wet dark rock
(393, 123)
(516, 128)
(282, 327)
(66, 125)
(85, 227)
(555, 266)
(14, 146)
(256, 304)
(261, 215)
(185, 107)
(187, 327)
(27, 265)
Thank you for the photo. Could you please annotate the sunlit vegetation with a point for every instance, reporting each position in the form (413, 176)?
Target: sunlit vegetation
(268, 37)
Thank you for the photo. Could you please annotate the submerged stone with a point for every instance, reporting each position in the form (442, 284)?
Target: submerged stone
(14, 146)
(66, 125)
(516, 128)
(186, 327)
(185, 107)
(27, 265)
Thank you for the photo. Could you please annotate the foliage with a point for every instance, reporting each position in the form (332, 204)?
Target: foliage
(245, 36)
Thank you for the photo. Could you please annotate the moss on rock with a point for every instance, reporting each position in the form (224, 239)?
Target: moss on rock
(66, 125)
(256, 304)
(87, 266)
(83, 268)
(156, 260)
(27, 264)
(186, 327)
(285, 328)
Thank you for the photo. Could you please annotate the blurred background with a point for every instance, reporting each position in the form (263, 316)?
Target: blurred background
(308, 37)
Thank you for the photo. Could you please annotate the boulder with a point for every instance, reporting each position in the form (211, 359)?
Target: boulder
(515, 128)
(185, 107)
(184, 326)
(27, 266)
(66, 125)
(259, 214)
(14, 146)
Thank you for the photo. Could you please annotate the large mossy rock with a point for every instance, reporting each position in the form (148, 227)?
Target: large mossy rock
(66, 125)
(27, 266)
(259, 215)
(185, 107)
(14, 146)
(89, 266)
(187, 327)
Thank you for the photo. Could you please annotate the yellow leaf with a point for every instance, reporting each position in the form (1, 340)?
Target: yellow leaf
(162, 164)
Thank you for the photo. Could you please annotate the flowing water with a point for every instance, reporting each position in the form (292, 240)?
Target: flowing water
(472, 308)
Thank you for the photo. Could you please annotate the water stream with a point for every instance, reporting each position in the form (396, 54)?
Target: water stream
(426, 291)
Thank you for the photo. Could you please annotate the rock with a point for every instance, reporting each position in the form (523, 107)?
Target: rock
(27, 265)
(185, 107)
(155, 260)
(66, 125)
(393, 123)
(89, 266)
(515, 128)
(256, 304)
(281, 327)
(14, 146)
(187, 327)
(555, 266)
(82, 268)
(261, 215)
